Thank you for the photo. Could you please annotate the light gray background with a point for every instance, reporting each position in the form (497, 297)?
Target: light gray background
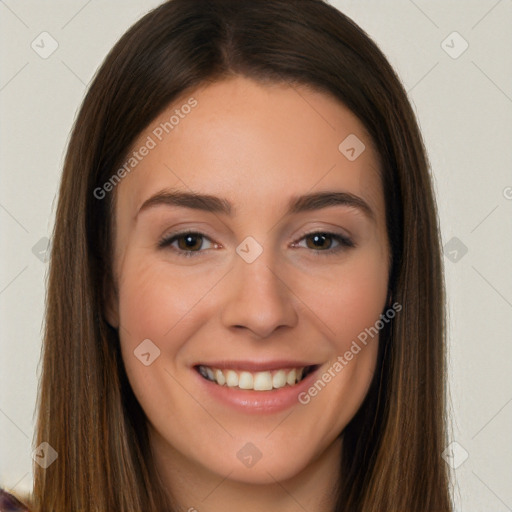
(464, 106)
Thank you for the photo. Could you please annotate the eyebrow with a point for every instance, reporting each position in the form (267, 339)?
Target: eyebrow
(296, 204)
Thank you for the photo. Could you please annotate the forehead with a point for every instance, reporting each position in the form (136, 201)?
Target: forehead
(253, 143)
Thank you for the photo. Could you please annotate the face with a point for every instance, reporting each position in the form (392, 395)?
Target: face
(238, 312)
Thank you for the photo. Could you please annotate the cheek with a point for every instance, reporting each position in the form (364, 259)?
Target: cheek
(156, 300)
(159, 303)
(350, 304)
(351, 298)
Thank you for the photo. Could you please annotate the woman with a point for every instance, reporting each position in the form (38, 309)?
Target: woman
(204, 349)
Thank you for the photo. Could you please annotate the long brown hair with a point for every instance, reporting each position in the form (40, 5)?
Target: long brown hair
(391, 457)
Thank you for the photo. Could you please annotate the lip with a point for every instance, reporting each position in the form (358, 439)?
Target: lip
(256, 366)
(256, 402)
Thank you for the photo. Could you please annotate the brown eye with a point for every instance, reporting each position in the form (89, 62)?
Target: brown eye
(191, 241)
(321, 242)
(188, 243)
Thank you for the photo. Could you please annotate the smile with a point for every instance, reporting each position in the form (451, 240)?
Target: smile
(257, 381)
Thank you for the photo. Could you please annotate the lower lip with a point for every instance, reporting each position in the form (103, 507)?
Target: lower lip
(257, 402)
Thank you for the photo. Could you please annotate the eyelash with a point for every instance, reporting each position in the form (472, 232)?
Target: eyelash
(344, 243)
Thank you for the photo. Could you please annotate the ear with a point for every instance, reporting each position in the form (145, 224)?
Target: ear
(110, 303)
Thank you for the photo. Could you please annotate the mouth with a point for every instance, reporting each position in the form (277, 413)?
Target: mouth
(267, 380)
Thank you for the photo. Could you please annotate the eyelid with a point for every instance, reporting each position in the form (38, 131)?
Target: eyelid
(326, 231)
(344, 241)
(169, 239)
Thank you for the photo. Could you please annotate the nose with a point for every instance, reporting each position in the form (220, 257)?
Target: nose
(259, 298)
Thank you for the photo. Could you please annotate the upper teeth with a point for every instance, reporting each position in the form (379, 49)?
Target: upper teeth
(258, 381)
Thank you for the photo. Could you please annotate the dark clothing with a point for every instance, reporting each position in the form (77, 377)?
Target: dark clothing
(9, 503)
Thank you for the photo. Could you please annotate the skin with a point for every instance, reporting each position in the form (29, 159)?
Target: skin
(255, 145)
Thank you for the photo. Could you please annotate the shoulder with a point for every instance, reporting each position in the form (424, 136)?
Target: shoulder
(9, 503)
